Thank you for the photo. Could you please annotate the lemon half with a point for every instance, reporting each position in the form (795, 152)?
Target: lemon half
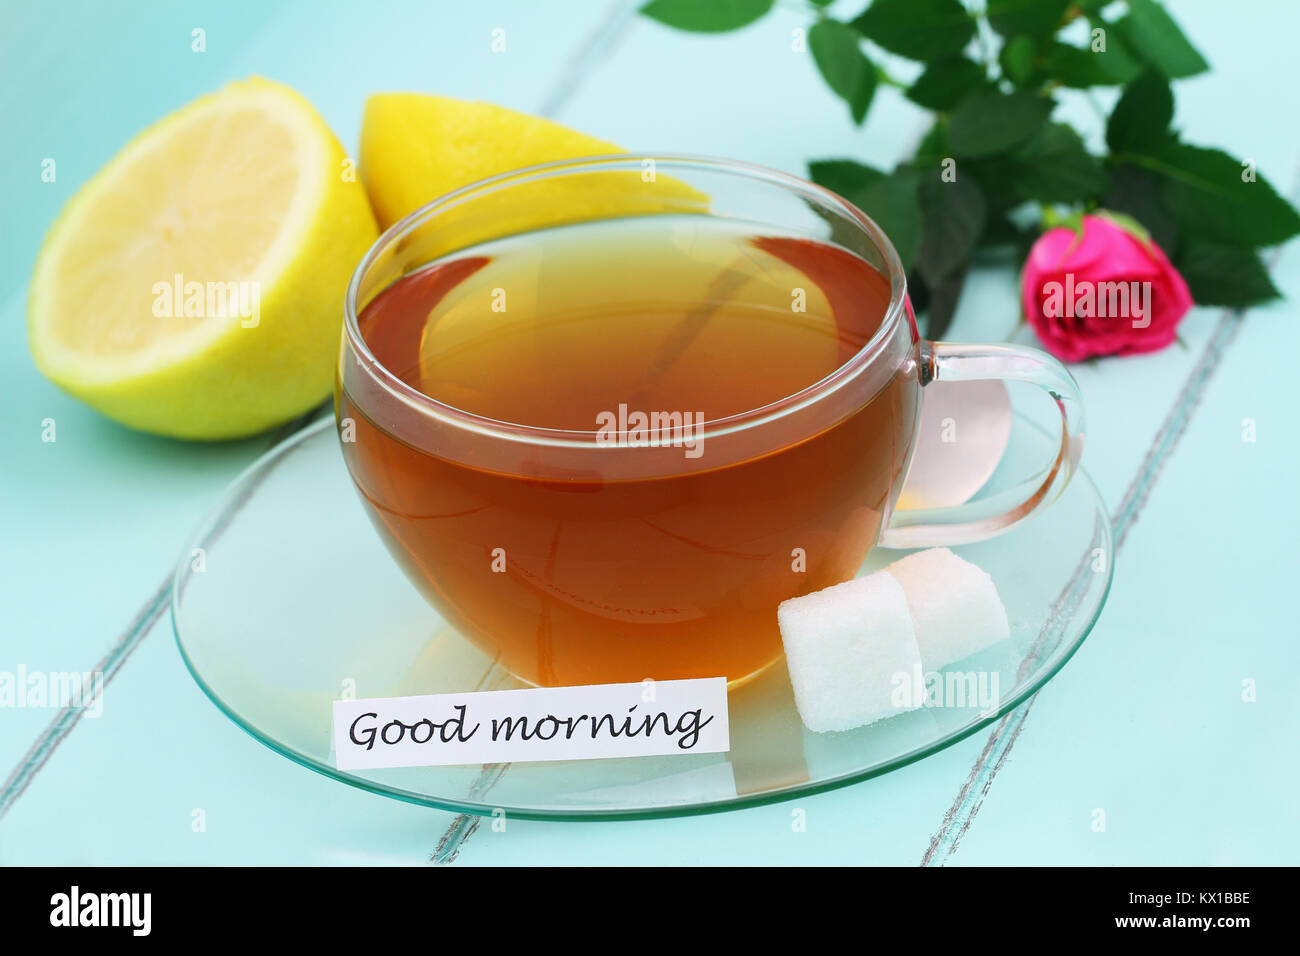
(417, 147)
(194, 287)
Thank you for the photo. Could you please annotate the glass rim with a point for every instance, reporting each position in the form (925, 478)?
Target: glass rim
(444, 413)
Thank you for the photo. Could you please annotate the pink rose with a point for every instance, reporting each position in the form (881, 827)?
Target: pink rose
(1103, 292)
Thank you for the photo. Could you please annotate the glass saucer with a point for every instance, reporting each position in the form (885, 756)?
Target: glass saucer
(287, 600)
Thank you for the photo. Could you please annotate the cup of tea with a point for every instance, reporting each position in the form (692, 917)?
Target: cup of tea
(608, 413)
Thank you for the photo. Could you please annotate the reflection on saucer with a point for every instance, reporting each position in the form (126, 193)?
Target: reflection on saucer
(711, 782)
(964, 430)
(767, 735)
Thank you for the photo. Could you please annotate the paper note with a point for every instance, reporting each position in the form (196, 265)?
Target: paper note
(649, 718)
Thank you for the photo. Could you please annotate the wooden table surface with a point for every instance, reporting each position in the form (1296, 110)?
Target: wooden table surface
(1146, 724)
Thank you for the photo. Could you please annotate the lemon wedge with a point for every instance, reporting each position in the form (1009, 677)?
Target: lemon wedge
(194, 287)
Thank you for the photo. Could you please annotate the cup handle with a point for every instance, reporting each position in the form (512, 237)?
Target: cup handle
(987, 517)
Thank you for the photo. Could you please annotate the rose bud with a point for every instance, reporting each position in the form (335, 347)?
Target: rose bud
(1104, 288)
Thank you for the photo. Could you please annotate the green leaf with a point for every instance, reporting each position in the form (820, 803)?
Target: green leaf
(995, 122)
(713, 16)
(947, 82)
(1224, 275)
(998, 177)
(843, 176)
(1127, 223)
(1079, 68)
(894, 204)
(837, 52)
(1141, 118)
(890, 199)
(918, 29)
(1206, 192)
(1055, 166)
(952, 220)
(1151, 32)
(934, 144)
(1032, 17)
(919, 295)
(1017, 59)
(1001, 231)
(1136, 192)
(942, 303)
(821, 3)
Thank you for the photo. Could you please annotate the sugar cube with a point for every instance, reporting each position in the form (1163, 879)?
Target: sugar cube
(846, 646)
(955, 608)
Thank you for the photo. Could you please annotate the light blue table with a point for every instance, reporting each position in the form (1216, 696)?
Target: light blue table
(1147, 724)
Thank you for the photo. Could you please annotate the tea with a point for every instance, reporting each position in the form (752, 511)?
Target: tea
(665, 554)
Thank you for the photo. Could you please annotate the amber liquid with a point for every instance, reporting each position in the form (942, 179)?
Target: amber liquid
(579, 575)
